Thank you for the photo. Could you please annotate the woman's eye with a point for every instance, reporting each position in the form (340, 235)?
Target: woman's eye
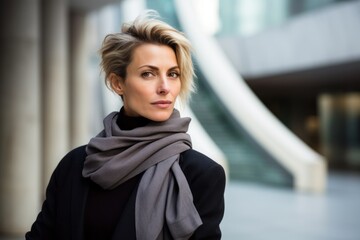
(174, 74)
(147, 74)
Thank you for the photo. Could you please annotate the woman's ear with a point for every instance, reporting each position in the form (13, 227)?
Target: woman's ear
(116, 84)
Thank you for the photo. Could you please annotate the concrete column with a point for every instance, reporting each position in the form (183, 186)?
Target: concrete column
(80, 87)
(54, 85)
(20, 115)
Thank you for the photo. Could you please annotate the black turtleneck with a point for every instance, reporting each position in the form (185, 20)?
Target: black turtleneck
(128, 123)
(104, 207)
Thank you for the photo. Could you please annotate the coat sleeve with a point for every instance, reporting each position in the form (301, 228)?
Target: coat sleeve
(208, 191)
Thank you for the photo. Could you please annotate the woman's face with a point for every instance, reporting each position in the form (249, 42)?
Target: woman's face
(152, 82)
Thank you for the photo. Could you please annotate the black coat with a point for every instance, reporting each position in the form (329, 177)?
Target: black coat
(62, 212)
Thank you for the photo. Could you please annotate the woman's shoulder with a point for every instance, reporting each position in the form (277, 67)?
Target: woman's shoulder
(72, 161)
(194, 163)
(75, 155)
(78, 152)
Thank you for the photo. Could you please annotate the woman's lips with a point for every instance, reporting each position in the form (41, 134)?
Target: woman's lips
(162, 103)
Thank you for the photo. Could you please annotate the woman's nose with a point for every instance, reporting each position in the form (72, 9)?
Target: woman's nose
(163, 87)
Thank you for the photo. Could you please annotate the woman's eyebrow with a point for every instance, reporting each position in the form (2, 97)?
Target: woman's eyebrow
(174, 68)
(148, 66)
(156, 68)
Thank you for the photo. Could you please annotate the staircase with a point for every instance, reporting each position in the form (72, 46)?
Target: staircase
(246, 160)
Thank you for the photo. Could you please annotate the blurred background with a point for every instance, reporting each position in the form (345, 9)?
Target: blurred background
(278, 101)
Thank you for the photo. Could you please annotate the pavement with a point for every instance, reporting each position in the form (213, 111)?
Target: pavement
(258, 212)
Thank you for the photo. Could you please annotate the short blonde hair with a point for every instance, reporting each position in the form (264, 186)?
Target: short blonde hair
(117, 48)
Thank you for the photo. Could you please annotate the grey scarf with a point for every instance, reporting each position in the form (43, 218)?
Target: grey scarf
(163, 195)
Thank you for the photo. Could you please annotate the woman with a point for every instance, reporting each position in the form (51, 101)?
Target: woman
(139, 178)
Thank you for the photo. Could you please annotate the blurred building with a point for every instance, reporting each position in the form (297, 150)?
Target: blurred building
(301, 58)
